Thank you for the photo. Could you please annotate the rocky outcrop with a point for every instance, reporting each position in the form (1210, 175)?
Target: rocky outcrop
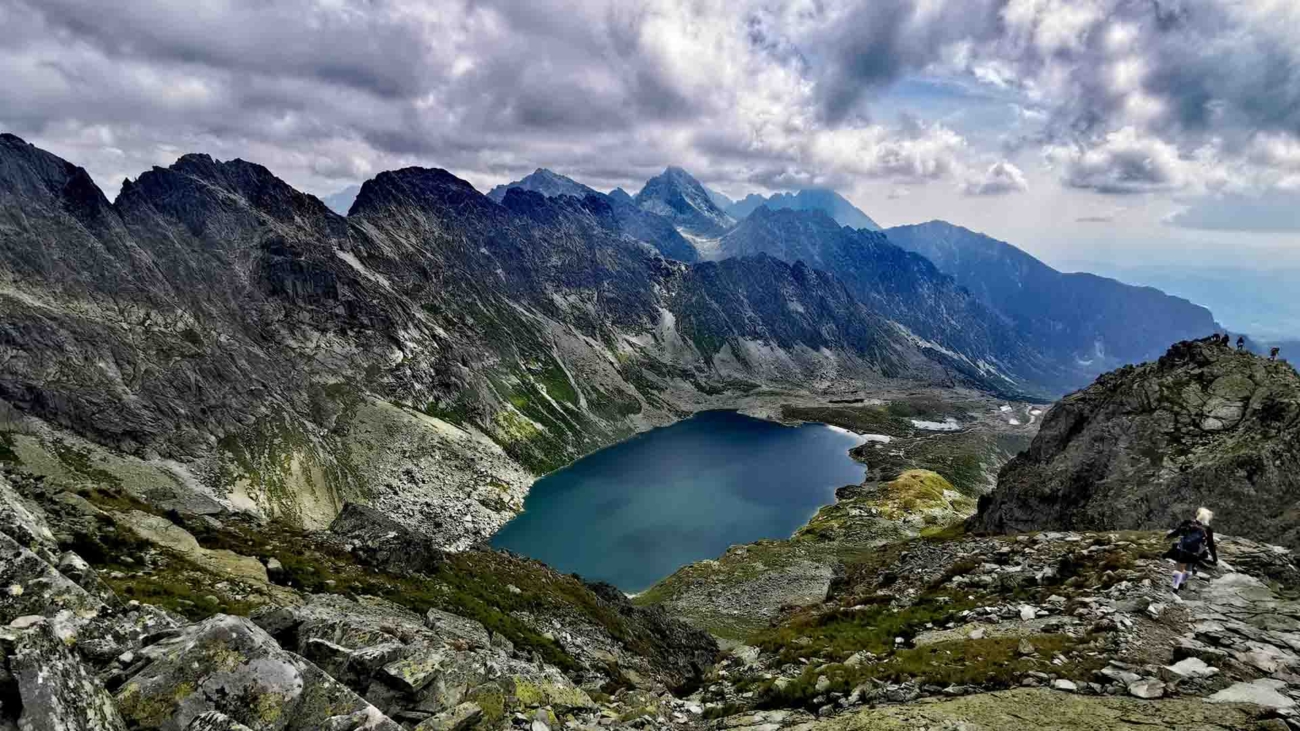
(1144, 446)
(228, 664)
(1086, 618)
(321, 650)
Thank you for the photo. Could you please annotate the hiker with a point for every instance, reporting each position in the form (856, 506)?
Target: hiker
(1241, 342)
(1272, 354)
(1195, 543)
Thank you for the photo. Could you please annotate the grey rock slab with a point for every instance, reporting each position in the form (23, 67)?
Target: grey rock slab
(58, 691)
(1149, 688)
(1264, 692)
(30, 585)
(24, 522)
(460, 718)
(215, 721)
(230, 665)
(1192, 667)
(451, 626)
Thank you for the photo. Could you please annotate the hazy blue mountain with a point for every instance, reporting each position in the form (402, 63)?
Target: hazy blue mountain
(621, 195)
(545, 182)
(719, 199)
(1098, 323)
(905, 288)
(341, 201)
(1245, 300)
(679, 197)
(810, 199)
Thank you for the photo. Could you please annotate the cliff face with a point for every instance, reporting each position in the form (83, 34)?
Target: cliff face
(1144, 446)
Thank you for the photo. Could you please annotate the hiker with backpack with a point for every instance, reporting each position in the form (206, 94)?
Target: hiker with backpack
(1195, 543)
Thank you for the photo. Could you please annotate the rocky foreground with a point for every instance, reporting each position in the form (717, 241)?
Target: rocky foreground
(1050, 630)
(116, 615)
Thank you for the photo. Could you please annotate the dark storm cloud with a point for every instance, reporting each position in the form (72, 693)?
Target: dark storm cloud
(869, 45)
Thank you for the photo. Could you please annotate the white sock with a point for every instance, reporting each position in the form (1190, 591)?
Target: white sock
(1178, 578)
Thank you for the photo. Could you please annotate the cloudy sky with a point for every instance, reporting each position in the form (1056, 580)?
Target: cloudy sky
(1112, 134)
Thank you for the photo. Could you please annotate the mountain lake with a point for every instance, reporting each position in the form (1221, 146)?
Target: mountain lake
(635, 512)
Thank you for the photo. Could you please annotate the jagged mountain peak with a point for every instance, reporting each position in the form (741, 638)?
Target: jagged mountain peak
(27, 170)
(544, 181)
(195, 187)
(416, 186)
(676, 194)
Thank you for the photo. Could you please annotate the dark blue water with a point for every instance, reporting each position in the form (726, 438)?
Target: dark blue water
(637, 511)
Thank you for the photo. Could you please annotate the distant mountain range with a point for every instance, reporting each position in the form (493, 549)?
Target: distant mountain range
(983, 302)
(1097, 323)
(341, 201)
(811, 199)
(217, 319)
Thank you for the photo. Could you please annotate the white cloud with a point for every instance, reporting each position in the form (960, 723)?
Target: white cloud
(1179, 96)
(1000, 178)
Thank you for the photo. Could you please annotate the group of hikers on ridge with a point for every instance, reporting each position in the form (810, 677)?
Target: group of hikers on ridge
(1194, 546)
(1225, 340)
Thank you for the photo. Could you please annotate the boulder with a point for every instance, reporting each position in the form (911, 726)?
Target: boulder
(1149, 688)
(31, 585)
(215, 721)
(1192, 667)
(384, 543)
(230, 665)
(25, 523)
(58, 691)
(460, 718)
(1263, 692)
(452, 627)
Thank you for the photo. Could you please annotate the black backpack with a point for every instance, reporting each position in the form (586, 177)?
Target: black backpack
(1192, 542)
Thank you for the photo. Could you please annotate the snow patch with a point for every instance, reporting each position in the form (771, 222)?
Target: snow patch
(877, 438)
(949, 424)
(841, 430)
(709, 249)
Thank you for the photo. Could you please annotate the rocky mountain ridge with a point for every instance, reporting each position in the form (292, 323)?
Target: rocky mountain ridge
(1096, 324)
(934, 312)
(809, 199)
(547, 183)
(680, 198)
(216, 328)
(1142, 448)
